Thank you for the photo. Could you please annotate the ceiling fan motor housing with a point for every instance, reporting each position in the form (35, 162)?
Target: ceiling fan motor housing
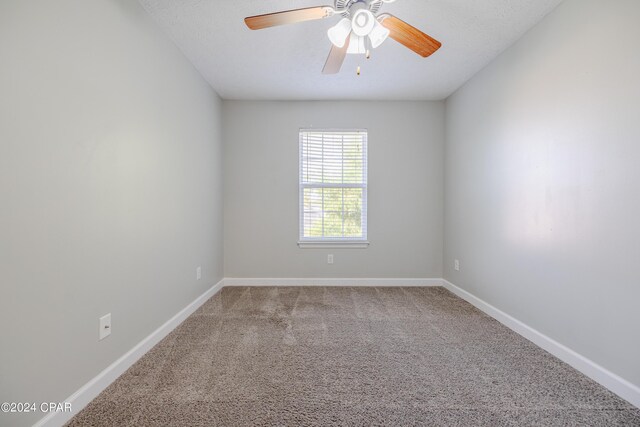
(351, 6)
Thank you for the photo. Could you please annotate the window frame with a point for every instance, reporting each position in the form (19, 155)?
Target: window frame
(333, 242)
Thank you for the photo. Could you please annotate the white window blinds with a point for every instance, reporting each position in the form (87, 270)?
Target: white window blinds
(333, 186)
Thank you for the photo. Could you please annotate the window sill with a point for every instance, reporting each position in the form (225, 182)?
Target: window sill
(333, 245)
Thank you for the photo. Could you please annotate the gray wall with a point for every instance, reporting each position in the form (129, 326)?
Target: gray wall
(404, 199)
(111, 190)
(543, 186)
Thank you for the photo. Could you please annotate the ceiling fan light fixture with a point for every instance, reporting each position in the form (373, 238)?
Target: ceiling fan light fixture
(357, 44)
(363, 22)
(378, 35)
(338, 33)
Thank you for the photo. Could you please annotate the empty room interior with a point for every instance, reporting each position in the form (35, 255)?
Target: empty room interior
(308, 213)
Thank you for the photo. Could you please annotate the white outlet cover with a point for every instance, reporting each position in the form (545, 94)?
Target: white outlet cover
(199, 273)
(330, 259)
(456, 265)
(105, 326)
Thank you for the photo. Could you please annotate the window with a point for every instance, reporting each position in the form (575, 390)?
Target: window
(333, 188)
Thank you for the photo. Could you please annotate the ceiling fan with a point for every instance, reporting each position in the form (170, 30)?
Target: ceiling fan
(360, 29)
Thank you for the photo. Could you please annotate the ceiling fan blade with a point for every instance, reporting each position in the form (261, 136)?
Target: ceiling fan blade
(410, 36)
(336, 58)
(288, 17)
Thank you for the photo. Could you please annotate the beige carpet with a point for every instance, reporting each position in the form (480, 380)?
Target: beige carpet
(350, 356)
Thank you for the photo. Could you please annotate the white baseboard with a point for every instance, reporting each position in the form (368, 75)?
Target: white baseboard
(623, 388)
(93, 388)
(231, 281)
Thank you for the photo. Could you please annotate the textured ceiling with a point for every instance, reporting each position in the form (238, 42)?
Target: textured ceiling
(285, 63)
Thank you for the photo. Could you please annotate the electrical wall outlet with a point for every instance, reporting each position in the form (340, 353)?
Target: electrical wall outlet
(198, 273)
(105, 326)
(330, 259)
(456, 265)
